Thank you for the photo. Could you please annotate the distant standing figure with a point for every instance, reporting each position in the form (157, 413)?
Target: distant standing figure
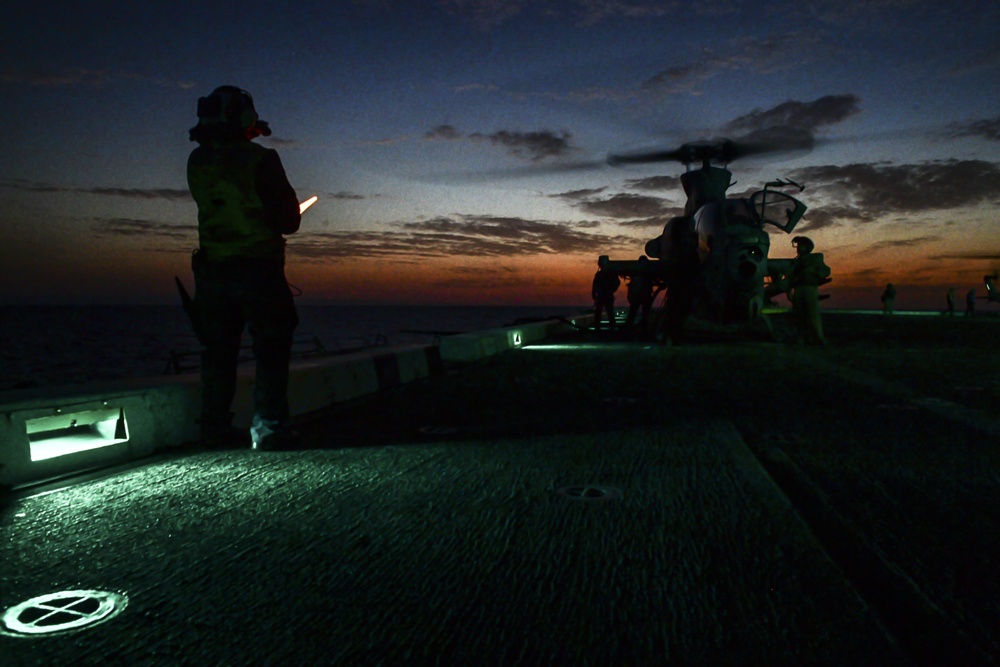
(640, 295)
(606, 283)
(951, 302)
(888, 299)
(808, 272)
(970, 302)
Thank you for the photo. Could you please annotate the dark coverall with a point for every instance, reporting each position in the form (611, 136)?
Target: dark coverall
(606, 283)
(888, 299)
(245, 205)
(684, 276)
(640, 299)
(808, 272)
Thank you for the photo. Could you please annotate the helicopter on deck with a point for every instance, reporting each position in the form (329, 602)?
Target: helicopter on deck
(718, 250)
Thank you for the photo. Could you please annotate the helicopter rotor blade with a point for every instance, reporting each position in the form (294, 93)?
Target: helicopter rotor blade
(723, 150)
(615, 159)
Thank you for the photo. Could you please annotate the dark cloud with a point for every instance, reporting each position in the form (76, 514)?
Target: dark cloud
(819, 217)
(138, 193)
(162, 237)
(446, 132)
(467, 235)
(902, 243)
(346, 195)
(531, 145)
(629, 210)
(654, 183)
(685, 78)
(991, 256)
(336, 246)
(130, 193)
(627, 206)
(578, 195)
(871, 272)
(534, 146)
(873, 190)
(986, 128)
(133, 226)
(792, 125)
(759, 55)
(813, 115)
(656, 222)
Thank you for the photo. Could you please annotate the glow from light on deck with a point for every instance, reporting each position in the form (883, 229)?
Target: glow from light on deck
(70, 433)
(574, 348)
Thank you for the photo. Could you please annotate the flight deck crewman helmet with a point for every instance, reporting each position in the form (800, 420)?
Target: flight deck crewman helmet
(804, 242)
(229, 109)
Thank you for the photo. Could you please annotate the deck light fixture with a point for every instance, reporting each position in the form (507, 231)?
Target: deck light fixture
(71, 432)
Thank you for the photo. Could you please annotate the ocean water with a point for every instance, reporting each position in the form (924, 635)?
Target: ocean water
(54, 345)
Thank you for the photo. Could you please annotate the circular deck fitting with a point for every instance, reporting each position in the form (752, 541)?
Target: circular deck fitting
(438, 431)
(64, 611)
(590, 492)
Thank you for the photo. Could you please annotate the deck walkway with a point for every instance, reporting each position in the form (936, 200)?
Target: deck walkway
(766, 505)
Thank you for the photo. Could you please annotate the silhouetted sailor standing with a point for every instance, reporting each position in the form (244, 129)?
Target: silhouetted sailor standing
(888, 299)
(245, 206)
(808, 272)
(605, 284)
(640, 295)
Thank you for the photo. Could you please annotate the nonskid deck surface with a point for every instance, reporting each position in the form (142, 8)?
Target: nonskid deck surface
(620, 503)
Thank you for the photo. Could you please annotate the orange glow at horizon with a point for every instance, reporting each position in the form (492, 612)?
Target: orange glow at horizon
(487, 281)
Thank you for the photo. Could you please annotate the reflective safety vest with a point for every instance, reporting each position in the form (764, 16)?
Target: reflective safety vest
(809, 270)
(233, 221)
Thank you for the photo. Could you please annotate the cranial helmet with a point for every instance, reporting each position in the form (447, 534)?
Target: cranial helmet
(229, 108)
(805, 242)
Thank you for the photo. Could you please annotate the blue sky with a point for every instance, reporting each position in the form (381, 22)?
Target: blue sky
(439, 135)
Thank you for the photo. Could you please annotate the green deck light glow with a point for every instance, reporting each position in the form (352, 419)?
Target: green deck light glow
(578, 347)
(69, 433)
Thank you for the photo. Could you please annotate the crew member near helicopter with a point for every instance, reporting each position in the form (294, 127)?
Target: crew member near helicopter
(683, 278)
(640, 295)
(808, 272)
(605, 284)
(245, 206)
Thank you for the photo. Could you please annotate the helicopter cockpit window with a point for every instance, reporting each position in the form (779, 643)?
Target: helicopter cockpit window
(737, 212)
(781, 210)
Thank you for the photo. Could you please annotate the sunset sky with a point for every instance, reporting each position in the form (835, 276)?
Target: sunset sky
(441, 137)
